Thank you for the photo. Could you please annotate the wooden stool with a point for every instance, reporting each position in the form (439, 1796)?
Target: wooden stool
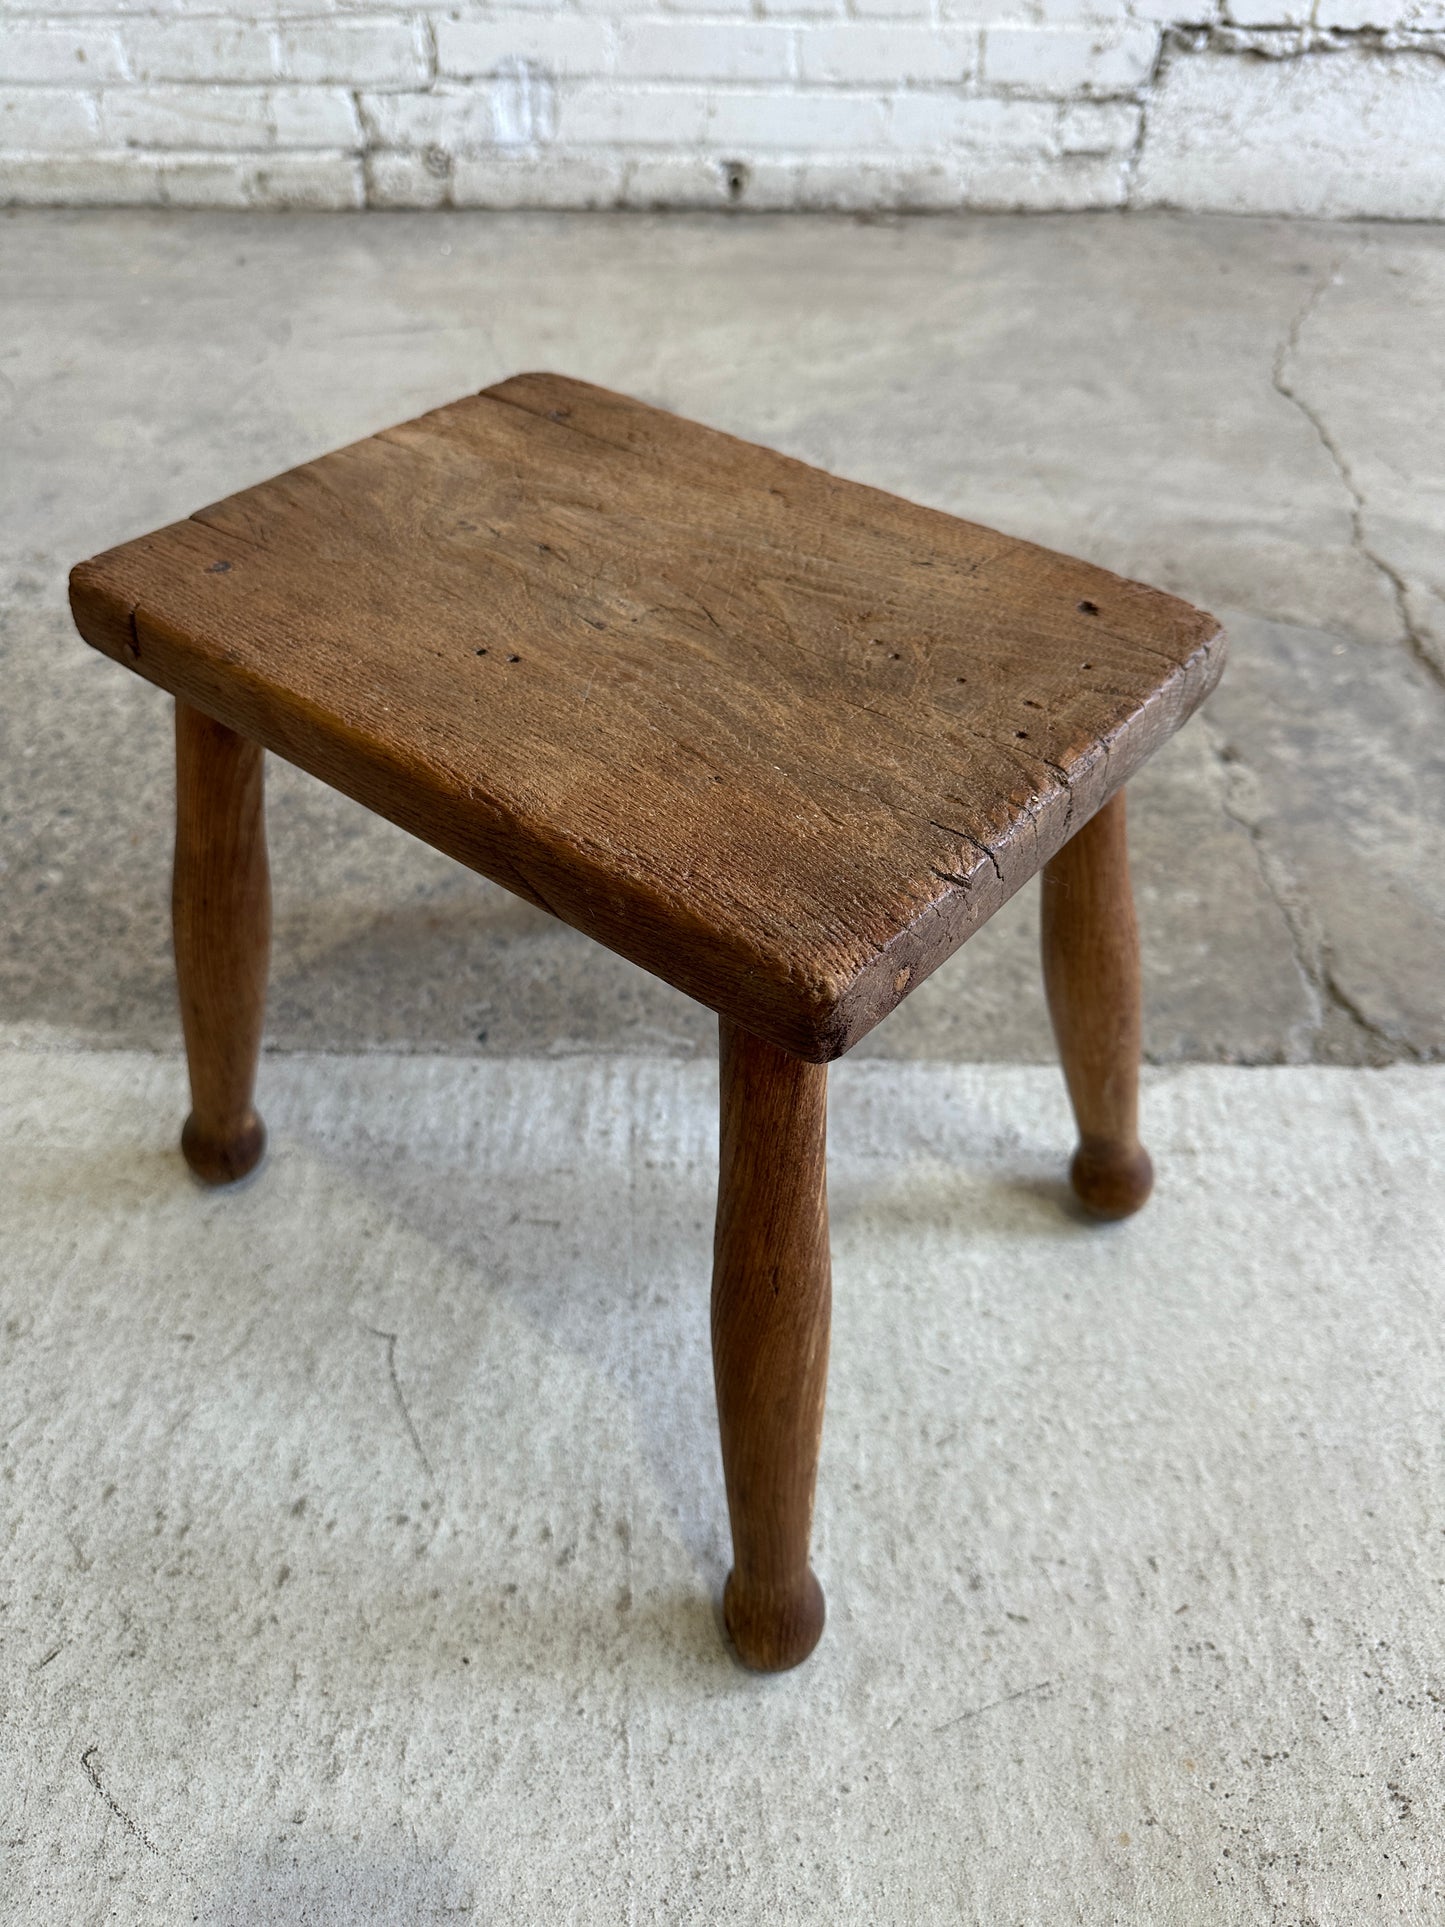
(783, 740)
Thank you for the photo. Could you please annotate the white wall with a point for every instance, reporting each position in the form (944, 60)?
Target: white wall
(1300, 106)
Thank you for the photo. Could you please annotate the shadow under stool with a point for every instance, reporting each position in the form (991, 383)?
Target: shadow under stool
(783, 740)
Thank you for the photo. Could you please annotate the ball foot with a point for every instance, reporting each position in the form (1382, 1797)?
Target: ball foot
(770, 1633)
(1111, 1180)
(228, 1161)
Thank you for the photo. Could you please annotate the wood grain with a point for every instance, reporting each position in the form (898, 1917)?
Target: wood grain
(221, 913)
(782, 739)
(1092, 976)
(771, 1303)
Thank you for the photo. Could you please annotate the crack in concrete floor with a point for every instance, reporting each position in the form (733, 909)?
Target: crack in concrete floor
(1280, 374)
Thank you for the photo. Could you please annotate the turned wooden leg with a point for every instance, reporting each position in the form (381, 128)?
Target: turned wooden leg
(1091, 974)
(221, 910)
(771, 1299)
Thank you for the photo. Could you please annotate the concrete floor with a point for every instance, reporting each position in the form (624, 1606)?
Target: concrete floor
(361, 1530)
(1248, 412)
(365, 1526)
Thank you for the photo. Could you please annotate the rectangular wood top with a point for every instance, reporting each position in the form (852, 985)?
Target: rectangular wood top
(782, 739)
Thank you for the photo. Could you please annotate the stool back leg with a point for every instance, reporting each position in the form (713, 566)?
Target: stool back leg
(771, 1304)
(1092, 977)
(221, 914)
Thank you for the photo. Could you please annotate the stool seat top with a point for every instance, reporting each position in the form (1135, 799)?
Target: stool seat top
(783, 740)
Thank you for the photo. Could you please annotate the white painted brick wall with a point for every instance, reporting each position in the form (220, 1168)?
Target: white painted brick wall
(1293, 106)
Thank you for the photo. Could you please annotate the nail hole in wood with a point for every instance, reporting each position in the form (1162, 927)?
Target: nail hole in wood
(1088, 608)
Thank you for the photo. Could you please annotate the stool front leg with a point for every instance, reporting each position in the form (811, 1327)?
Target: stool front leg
(1092, 977)
(771, 1303)
(221, 913)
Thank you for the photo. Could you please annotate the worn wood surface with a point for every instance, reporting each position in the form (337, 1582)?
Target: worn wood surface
(1092, 977)
(221, 915)
(771, 1302)
(781, 739)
